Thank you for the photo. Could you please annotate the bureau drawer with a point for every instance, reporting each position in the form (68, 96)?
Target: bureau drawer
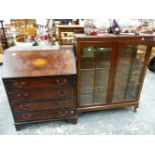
(45, 105)
(41, 95)
(44, 115)
(40, 82)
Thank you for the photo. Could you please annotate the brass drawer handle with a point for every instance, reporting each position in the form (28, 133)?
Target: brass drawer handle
(23, 95)
(26, 95)
(19, 85)
(23, 83)
(57, 81)
(72, 111)
(18, 95)
(27, 116)
(64, 80)
(24, 106)
(61, 81)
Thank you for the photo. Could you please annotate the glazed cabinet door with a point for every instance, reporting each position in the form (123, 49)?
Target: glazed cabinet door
(129, 72)
(93, 73)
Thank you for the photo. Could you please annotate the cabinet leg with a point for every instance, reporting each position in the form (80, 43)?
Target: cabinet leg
(72, 120)
(18, 126)
(135, 108)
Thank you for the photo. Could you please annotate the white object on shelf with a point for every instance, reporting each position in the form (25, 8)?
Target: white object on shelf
(81, 22)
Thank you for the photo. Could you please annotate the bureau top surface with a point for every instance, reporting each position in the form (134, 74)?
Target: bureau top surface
(122, 36)
(38, 63)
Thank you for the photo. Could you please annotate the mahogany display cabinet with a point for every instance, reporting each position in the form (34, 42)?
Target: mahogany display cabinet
(111, 70)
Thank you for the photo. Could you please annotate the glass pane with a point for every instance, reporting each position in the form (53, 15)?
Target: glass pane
(119, 93)
(119, 96)
(87, 79)
(86, 99)
(88, 52)
(132, 91)
(102, 76)
(136, 74)
(94, 74)
(140, 55)
(129, 72)
(125, 56)
(103, 56)
(87, 58)
(122, 75)
(100, 96)
(86, 91)
(87, 63)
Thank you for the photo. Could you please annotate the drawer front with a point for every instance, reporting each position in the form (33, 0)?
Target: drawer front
(41, 95)
(44, 105)
(44, 115)
(19, 84)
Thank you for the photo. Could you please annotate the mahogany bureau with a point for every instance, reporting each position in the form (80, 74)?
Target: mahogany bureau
(41, 85)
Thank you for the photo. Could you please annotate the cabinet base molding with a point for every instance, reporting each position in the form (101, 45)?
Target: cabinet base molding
(108, 106)
(72, 120)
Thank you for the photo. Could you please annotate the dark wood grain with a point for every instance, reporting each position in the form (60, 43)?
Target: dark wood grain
(41, 95)
(20, 63)
(44, 115)
(40, 83)
(44, 105)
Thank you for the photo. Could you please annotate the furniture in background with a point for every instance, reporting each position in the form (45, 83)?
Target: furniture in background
(67, 21)
(41, 85)
(3, 40)
(3, 37)
(66, 33)
(111, 70)
(24, 28)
